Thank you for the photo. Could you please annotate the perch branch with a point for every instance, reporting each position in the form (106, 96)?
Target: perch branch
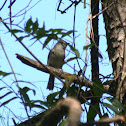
(78, 80)
(47, 69)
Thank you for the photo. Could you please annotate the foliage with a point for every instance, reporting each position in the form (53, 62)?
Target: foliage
(4, 73)
(102, 106)
(32, 29)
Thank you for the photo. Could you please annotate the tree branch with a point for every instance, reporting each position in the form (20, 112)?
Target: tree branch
(59, 73)
(68, 105)
(78, 80)
(105, 120)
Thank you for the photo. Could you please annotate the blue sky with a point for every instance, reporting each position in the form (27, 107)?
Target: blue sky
(45, 11)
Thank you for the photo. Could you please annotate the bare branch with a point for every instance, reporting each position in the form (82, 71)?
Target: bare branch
(106, 120)
(3, 5)
(59, 73)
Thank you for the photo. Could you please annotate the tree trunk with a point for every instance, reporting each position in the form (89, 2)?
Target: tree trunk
(115, 24)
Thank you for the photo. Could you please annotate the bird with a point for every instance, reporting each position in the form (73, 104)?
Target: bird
(56, 59)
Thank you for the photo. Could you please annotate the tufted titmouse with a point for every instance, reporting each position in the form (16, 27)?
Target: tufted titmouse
(56, 59)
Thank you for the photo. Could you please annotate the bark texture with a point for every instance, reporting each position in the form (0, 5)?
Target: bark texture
(115, 25)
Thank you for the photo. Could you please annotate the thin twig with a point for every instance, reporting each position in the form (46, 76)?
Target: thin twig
(14, 77)
(3, 5)
(9, 62)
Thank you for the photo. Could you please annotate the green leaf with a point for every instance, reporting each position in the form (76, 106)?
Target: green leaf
(35, 26)
(66, 33)
(21, 38)
(26, 98)
(98, 88)
(23, 92)
(28, 25)
(51, 98)
(93, 111)
(26, 89)
(6, 102)
(40, 33)
(113, 108)
(43, 103)
(62, 92)
(69, 79)
(69, 32)
(32, 105)
(56, 31)
(15, 31)
(49, 38)
(116, 103)
(59, 31)
(89, 46)
(52, 36)
(46, 42)
(75, 51)
(4, 73)
(72, 91)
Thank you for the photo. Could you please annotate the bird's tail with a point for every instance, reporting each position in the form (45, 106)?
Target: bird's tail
(51, 82)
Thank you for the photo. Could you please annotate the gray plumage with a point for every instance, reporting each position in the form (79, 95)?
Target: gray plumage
(56, 59)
